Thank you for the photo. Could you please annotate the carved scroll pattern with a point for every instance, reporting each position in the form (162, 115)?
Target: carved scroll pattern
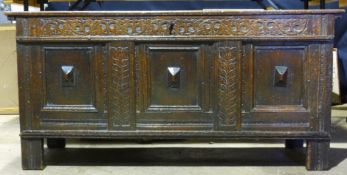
(230, 26)
(228, 90)
(120, 87)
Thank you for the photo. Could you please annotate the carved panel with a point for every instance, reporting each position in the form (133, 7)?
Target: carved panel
(69, 79)
(174, 78)
(173, 86)
(177, 26)
(279, 76)
(68, 90)
(228, 85)
(119, 86)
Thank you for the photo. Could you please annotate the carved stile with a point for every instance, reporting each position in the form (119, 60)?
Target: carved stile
(119, 88)
(228, 86)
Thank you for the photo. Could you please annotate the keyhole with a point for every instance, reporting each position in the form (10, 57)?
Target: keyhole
(171, 27)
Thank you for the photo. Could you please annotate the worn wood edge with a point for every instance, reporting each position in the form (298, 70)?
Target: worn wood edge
(172, 13)
(169, 38)
(177, 134)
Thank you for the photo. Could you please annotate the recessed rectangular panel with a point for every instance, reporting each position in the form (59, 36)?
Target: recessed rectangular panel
(69, 87)
(174, 76)
(276, 86)
(279, 75)
(68, 78)
(173, 83)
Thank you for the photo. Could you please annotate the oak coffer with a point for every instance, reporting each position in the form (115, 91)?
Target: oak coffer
(171, 75)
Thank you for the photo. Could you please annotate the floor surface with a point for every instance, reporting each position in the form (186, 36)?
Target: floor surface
(184, 157)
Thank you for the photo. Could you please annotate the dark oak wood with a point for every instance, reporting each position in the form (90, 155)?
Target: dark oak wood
(223, 74)
(306, 4)
(317, 155)
(322, 4)
(294, 144)
(25, 5)
(32, 153)
(56, 143)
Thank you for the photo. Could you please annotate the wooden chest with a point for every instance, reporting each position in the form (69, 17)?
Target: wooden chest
(170, 75)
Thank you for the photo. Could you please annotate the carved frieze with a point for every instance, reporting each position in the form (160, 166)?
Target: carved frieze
(166, 26)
